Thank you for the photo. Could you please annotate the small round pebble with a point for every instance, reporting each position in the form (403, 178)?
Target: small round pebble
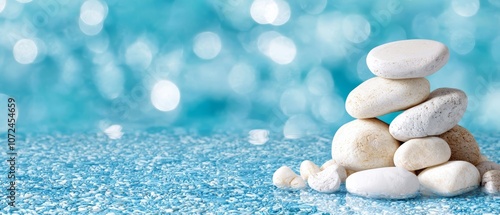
(387, 182)
(441, 112)
(364, 144)
(486, 166)
(491, 181)
(407, 59)
(451, 178)
(326, 181)
(420, 153)
(308, 168)
(327, 164)
(463, 145)
(378, 96)
(285, 178)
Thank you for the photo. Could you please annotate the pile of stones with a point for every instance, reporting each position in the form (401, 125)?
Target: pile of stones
(422, 148)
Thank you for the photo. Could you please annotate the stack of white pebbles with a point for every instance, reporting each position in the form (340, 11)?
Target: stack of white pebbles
(383, 160)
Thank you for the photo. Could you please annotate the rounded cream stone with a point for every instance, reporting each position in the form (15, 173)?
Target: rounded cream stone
(443, 110)
(491, 181)
(387, 182)
(378, 96)
(285, 178)
(327, 164)
(308, 168)
(486, 166)
(326, 181)
(451, 178)
(407, 59)
(420, 153)
(364, 144)
(463, 145)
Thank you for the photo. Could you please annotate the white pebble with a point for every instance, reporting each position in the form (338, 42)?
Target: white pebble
(326, 181)
(387, 182)
(379, 96)
(327, 164)
(364, 144)
(420, 153)
(407, 59)
(258, 136)
(451, 178)
(308, 168)
(285, 178)
(491, 181)
(441, 112)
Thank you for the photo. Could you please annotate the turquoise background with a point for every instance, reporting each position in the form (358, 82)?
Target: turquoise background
(85, 77)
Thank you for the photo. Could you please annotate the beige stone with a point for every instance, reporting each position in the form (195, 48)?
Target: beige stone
(364, 144)
(451, 178)
(379, 96)
(420, 153)
(463, 145)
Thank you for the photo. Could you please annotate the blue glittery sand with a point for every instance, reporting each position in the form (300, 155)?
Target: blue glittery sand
(178, 172)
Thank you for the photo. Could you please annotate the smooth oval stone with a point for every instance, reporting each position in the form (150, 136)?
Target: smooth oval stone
(420, 153)
(491, 181)
(364, 144)
(451, 178)
(486, 166)
(463, 145)
(379, 96)
(407, 59)
(387, 182)
(443, 110)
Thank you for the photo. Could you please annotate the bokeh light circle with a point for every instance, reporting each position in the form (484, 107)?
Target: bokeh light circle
(139, 55)
(2, 5)
(92, 12)
(25, 51)
(282, 50)
(165, 95)
(241, 78)
(356, 28)
(207, 45)
(465, 8)
(462, 42)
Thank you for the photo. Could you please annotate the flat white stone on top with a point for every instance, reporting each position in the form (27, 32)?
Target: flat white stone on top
(379, 96)
(442, 111)
(407, 58)
(387, 182)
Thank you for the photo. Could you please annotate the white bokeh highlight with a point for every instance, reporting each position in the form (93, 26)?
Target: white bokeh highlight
(277, 47)
(465, 8)
(462, 42)
(356, 28)
(93, 12)
(25, 51)
(3, 3)
(165, 95)
(110, 81)
(139, 55)
(242, 78)
(207, 45)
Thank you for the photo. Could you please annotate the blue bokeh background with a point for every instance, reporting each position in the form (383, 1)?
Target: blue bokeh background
(285, 66)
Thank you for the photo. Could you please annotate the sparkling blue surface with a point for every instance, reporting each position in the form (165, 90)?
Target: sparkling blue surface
(96, 70)
(183, 172)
